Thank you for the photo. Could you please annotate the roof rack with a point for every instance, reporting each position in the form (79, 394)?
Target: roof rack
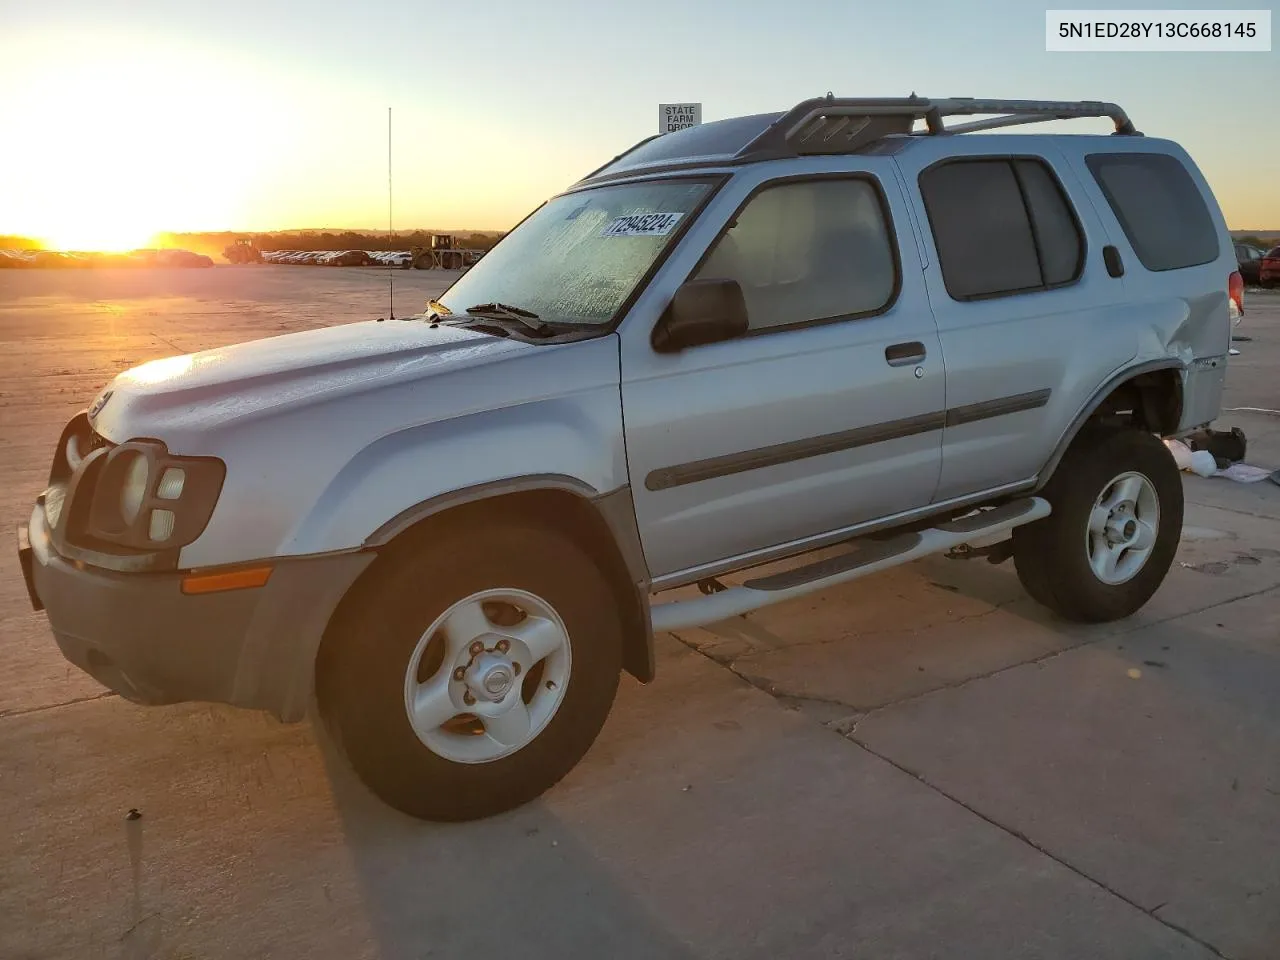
(827, 125)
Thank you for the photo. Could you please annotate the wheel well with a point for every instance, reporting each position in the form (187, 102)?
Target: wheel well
(1151, 401)
(564, 511)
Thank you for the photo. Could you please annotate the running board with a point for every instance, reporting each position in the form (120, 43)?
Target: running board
(871, 556)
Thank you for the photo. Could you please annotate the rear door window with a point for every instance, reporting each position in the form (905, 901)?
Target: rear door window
(1002, 226)
(1159, 207)
(1057, 237)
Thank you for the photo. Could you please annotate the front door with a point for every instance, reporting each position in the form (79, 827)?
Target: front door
(827, 414)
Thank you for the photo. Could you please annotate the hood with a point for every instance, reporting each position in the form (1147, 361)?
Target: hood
(214, 388)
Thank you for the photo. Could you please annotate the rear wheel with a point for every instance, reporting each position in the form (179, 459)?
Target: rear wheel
(469, 679)
(1115, 527)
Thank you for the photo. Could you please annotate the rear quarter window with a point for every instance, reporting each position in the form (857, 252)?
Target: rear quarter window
(1159, 207)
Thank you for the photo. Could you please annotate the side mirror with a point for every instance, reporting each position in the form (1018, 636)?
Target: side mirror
(702, 311)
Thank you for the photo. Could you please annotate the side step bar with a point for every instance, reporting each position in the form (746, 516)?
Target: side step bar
(870, 556)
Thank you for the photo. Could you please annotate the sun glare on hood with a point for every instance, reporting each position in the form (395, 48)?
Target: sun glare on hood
(158, 371)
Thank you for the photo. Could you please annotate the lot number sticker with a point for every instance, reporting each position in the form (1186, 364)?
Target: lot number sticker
(642, 225)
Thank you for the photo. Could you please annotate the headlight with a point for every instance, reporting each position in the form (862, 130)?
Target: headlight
(171, 484)
(73, 453)
(142, 497)
(133, 488)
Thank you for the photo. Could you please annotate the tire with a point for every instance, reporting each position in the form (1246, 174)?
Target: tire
(1126, 485)
(457, 770)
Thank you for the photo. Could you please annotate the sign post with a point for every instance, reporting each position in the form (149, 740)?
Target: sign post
(678, 116)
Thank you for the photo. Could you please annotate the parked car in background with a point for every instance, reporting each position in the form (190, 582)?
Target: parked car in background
(346, 258)
(14, 259)
(1269, 270)
(181, 258)
(401, 259)
(1249, 260)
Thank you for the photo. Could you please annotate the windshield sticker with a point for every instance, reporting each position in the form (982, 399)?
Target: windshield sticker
(642, 225)
(577, 211)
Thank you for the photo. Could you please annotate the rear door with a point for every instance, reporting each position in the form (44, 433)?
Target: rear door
(1022, 299)
(827, 414)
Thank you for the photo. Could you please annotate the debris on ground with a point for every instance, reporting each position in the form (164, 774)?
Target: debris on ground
(1216, 453)
(1245, 473)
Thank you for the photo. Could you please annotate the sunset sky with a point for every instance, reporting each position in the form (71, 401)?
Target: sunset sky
(121, 120)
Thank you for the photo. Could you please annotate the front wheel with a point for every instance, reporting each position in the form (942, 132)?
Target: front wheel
(467, 678)
(1116, 523)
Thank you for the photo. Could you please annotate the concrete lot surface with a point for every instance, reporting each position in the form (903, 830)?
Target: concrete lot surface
(921, 764)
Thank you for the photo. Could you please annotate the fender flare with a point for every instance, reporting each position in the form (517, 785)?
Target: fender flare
(616, 511)
(1095, 401)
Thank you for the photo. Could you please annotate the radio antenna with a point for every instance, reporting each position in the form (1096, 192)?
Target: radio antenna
(391, 277)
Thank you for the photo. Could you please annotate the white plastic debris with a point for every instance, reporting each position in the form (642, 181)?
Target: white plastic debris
(1181, 453)
(1244, 473)
(1203, 464)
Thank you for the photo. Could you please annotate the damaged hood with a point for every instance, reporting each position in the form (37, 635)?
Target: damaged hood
(212, 389)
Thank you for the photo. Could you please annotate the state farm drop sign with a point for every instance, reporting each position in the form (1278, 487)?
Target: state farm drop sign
(677, 116)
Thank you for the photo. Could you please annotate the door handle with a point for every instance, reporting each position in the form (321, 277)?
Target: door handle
(904, 354)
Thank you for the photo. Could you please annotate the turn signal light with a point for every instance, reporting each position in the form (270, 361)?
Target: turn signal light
(196, 583)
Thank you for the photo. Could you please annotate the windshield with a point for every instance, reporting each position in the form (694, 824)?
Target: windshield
(578, 258)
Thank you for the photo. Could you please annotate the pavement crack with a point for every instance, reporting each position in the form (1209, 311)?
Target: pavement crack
(25, 711)
(1052, 654)
(1242, 513)
(1044, 851)
(889, 631)
(170, 343)
(138, 923)
(965, 681)
(848, 727)
(788, 698)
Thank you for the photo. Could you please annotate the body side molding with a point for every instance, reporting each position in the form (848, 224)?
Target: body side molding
(722, 466)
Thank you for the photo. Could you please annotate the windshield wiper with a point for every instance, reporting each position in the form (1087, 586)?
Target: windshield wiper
(502, 312)
(502, 308)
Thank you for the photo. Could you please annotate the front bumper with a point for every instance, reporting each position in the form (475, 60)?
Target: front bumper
(141, 636)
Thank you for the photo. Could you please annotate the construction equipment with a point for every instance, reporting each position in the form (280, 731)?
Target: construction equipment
(244, 250)
(444, 253)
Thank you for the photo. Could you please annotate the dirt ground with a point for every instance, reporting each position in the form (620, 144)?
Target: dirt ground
(920, 764)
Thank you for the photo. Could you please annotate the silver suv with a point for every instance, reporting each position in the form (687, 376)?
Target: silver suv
(840, 326)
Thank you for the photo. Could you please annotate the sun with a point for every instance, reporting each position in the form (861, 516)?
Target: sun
(157, 148)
